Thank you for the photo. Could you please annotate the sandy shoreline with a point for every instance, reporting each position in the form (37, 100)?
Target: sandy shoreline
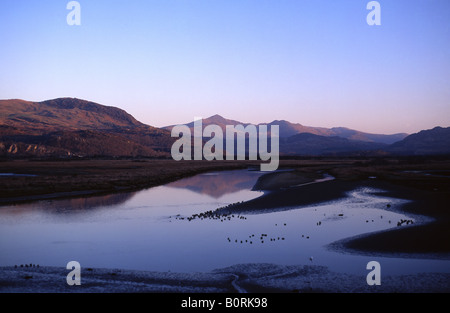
(243, 278)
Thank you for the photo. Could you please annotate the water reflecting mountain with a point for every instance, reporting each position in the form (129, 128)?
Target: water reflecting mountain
(217, 185)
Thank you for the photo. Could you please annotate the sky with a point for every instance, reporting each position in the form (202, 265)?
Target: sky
(317, 63)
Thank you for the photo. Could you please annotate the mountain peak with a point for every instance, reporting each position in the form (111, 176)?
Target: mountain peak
(283, 122)
(217, 116)
(215, 119)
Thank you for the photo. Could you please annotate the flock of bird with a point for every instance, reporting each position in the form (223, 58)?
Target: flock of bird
(217, 215)
(27, 266)
(407, 222)
(262, 238)
(214, 215)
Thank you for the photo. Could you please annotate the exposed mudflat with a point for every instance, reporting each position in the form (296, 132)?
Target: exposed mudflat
(241, 278)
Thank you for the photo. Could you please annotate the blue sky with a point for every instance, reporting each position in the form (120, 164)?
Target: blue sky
(166, 61)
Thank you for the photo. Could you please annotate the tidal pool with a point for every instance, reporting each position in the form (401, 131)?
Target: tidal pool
(149, 230)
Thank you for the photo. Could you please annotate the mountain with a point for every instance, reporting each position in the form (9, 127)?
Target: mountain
(307, 144)
(72, 127)
(361, 136)
(288, 129)
(63, 113)
(69, 126)
(296, 139)
(213, 120)
(427, 142)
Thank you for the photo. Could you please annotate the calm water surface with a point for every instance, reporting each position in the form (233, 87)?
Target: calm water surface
(144, 230)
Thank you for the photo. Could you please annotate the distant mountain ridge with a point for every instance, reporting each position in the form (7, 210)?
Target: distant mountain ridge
(288, 129)
(70, 127)
(308, 144)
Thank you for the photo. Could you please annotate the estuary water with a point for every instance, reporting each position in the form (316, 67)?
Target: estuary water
(150, 230)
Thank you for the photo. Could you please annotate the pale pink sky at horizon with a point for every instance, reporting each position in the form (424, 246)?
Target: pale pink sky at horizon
(317, 63)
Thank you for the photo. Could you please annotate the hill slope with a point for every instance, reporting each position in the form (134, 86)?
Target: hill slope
(426, 142)
(315, 145)
(68, 126)
(63, 113)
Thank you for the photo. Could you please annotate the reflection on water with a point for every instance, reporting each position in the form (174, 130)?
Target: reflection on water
(143, 230)
(434, 173)
(326, 177)
(68, 206)
(16, 175)
(217, 185)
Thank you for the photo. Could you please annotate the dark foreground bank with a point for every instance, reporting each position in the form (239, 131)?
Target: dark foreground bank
(244, 278)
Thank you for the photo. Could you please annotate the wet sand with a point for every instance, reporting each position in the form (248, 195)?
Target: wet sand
(244, 278)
